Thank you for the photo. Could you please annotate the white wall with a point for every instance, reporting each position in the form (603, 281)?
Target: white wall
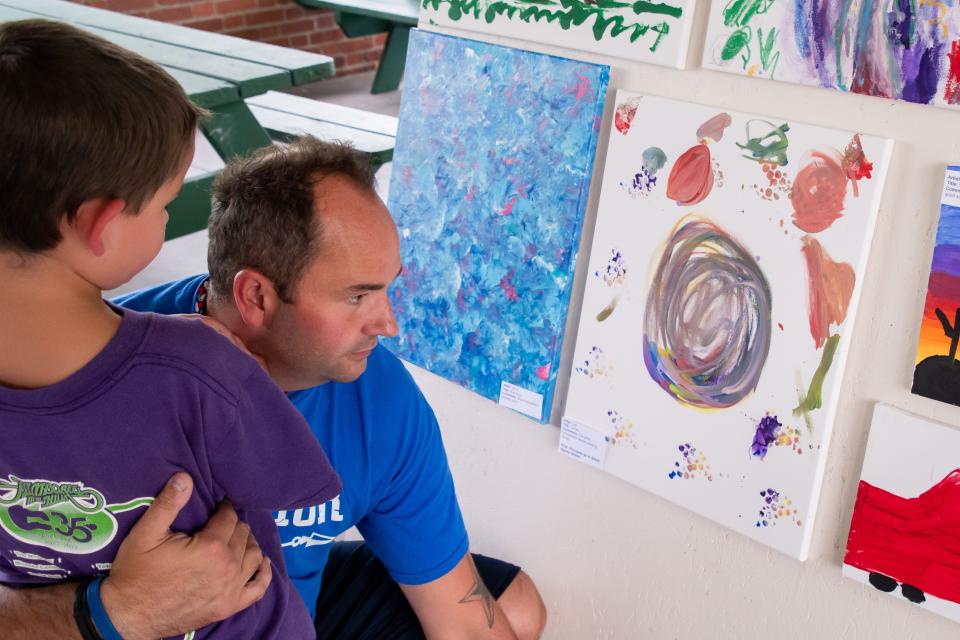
(615, 562)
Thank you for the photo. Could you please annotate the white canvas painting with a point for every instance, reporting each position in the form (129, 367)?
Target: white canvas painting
(657, 32)
(902, 50)
(719, 306)
(905, 528)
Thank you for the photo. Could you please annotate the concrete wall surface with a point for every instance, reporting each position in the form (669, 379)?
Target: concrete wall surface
(613, 561)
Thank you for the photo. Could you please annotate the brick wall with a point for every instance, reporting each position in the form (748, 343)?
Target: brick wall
(282, 22)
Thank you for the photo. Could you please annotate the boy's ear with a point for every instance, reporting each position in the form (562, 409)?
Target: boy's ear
(255, 297)
(92, 219)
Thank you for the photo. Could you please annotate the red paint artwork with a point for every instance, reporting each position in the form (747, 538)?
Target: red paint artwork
(951, 91)
(623, 116)
(913, 541)
(691, 178)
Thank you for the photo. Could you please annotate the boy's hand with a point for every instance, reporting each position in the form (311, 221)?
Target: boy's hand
(221, 328)
(165, 584)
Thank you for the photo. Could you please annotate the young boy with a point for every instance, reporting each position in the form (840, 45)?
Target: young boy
(98, 406)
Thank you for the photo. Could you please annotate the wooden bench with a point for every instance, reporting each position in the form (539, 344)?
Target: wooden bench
(287, 116)
(368, 17)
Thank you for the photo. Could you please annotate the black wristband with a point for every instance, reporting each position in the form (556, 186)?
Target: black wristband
(81, 613)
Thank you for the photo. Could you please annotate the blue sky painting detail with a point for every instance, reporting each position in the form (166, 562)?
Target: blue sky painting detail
(490, 179)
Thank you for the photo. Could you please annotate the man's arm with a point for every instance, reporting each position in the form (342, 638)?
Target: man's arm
(44, 613)
(161, 583)
(458, 606)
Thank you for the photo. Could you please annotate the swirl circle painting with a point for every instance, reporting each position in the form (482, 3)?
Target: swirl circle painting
(707, 320)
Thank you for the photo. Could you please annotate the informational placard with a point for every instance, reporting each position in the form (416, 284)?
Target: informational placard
(519, 399)
(582, 443)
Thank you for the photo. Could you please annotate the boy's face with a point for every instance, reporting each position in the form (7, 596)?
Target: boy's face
(340, 306)
(133, 240)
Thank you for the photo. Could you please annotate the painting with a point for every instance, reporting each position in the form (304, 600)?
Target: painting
(900, 49)
(937, 371)
(722, 287)
(905, 528)
(657, 32)
(490, 180)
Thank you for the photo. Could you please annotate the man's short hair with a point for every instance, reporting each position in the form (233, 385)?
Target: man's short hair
(263, 211)
(80, 118)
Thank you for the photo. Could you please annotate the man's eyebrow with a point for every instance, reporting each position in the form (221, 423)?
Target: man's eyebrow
(367, 287)
(372, 287)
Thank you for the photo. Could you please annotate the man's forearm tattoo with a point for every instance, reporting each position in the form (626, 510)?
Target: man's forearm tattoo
(478, 593)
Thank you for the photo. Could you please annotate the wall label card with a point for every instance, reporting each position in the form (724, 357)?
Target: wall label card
(582, 443)
(519, 399)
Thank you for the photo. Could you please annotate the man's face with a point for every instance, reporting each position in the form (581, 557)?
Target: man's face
(340, 306)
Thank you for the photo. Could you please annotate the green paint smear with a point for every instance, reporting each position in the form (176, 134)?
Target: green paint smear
(737, 14)
(653, 160)
(768, 57)
(572, 13)
(607, 310)
(735, 43)
(814, 397)
(770, 147)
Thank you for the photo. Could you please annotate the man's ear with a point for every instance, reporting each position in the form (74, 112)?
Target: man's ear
(92, 219)
(255, 297)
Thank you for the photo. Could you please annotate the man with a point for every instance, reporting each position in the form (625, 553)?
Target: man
(301, 254)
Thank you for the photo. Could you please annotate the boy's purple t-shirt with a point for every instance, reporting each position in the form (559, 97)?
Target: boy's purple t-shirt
(83, 458)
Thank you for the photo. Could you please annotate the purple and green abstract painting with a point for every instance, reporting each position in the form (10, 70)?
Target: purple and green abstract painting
(489, 184)
(900, 49)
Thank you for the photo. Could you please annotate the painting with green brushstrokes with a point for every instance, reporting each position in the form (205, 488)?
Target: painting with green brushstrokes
(898, 50)
(647, 31)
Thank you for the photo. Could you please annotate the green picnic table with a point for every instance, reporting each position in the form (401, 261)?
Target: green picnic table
(367, 17)
(218, 72)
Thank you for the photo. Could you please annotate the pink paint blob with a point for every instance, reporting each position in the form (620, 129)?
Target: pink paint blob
(582, 88)
(543, 372)
(713, 128)
(508, 287)
(819, 190)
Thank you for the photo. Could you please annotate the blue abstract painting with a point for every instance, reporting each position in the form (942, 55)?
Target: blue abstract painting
(489, 184)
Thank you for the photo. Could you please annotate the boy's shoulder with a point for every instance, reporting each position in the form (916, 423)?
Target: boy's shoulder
(188, 345)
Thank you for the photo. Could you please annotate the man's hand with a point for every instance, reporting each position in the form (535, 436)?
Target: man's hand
(164, 583)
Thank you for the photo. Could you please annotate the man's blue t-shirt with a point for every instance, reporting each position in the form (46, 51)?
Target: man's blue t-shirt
(382, 437)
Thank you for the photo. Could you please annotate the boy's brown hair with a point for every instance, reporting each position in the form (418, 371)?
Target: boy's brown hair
(80, 118)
